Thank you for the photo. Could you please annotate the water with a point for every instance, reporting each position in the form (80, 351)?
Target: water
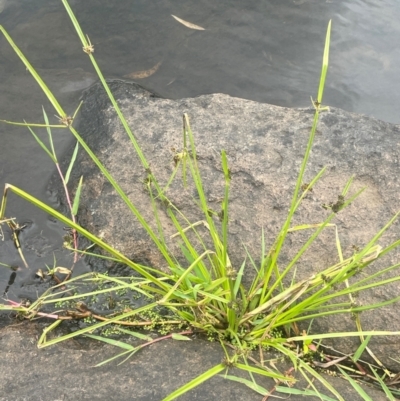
(269, 52)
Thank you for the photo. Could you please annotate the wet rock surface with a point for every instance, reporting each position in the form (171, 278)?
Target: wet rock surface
(66, 372)
(265, 145)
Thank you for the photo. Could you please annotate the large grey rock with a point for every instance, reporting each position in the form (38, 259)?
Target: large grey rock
(265, 145)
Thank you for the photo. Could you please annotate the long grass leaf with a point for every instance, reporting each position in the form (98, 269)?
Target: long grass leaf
(361, 392)
(85, 44)
(49, 134)
(281, 238)
(75, 205)
(316, 375)
(71, 162)
(325, 63)
(306, 393)
(135, 334)
(263, 372)
(361, 348)
(111, 341)
(180, 337)
(383, 385)
(134, 142)
(254, 386)
(195, 382)
(37, 77)
(116, 357)
(238, 280)
(224, 210)
(75, 23)
(344, 334)
(42, 145)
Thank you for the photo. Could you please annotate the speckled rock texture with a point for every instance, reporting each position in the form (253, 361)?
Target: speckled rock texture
(265, 145)
(66, 372)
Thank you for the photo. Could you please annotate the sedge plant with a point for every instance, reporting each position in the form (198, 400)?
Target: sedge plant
(207, 294)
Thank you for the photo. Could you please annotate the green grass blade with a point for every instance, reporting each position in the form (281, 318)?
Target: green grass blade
(316, 375)
(138, 150)
(305, 393)
(383, 385)
(46, 121)
(35, 75)
(156, 216)
(25, 124)
(195, 171)
(310, 186)
(116, 357)
(361, 348)
(75, 205)
(75, 23)
(344, 334)
(281, 238)
(227, 176)
(254, 386)
(111, 341)
(42, 145)
(72, 162)
(135, 334)
(195, 382)
(304, 368)
(85, 43)
(262, 372)
(238, 280)
(180, 337)
(325, 63)
(361, 392)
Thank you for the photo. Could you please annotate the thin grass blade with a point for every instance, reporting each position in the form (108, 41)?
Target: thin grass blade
(254, 386)
(37, 77)
(325, 63)
(195, 382)
(361, 348)
(75, 205)
(383, 385)
(263, 372)
(72, 162)
(361, 392)
(42, 145)
(116, 357)
(345, 334)
(135, 334)
(238, 280)
(46, 120)
(305, 393)
(111, 341)
(180, 337)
